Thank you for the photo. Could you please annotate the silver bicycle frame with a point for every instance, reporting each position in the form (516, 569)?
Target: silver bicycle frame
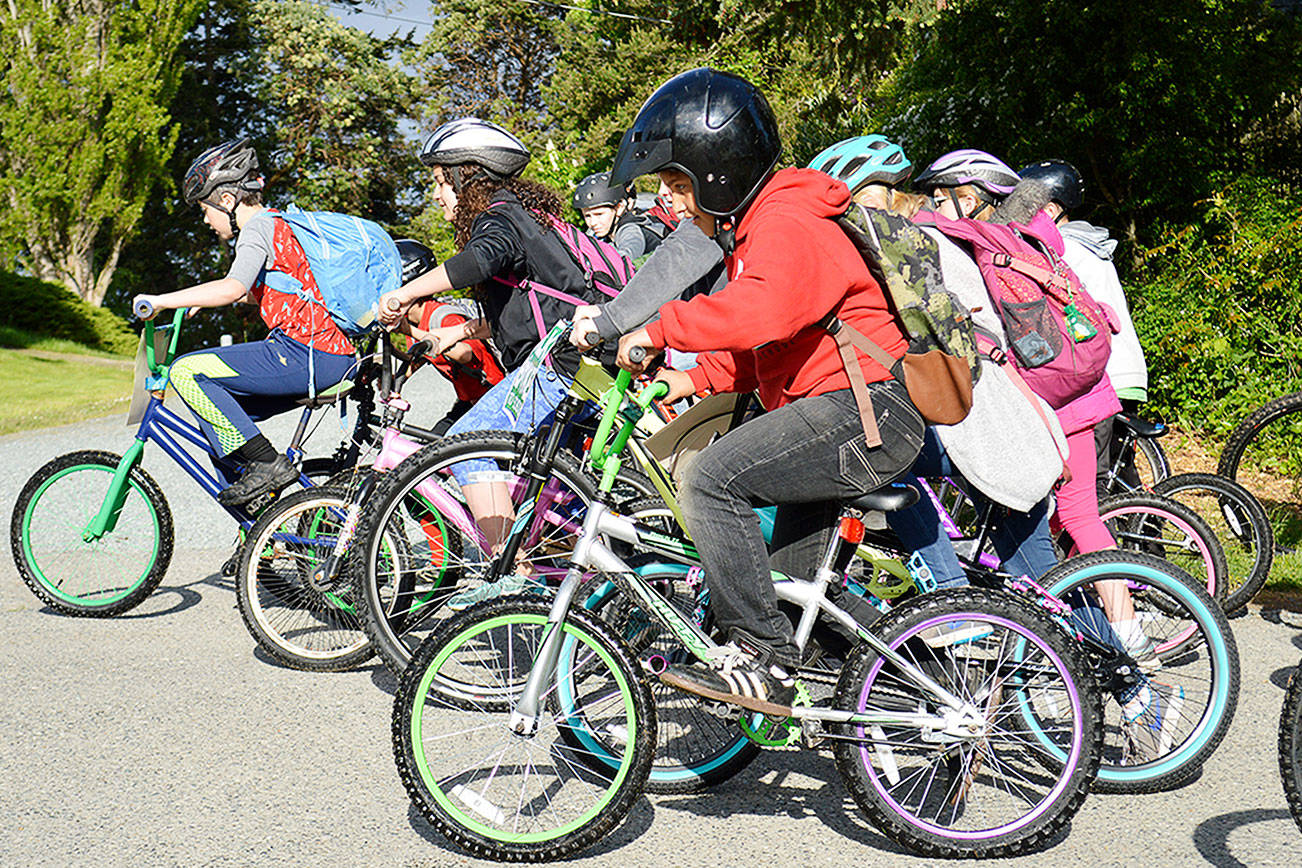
(810, 596)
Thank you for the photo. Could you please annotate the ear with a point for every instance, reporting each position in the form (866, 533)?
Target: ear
(227, 200)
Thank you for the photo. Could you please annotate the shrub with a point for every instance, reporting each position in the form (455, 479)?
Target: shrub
(1218, 306)
(41, 308)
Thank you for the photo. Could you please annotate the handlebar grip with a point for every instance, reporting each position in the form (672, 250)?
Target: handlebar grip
(420, 348)
(142, 308)
(636, 354)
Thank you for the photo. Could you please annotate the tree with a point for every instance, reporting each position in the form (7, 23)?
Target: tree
(337, 97)
(85, 132)
(1150, 101)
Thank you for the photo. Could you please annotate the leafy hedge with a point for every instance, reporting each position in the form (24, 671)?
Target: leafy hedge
(1218, 306)
(48, 309)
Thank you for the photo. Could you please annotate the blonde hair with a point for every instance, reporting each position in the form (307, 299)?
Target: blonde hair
(907, 204)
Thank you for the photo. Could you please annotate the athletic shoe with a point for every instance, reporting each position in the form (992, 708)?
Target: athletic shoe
(1150, 730)
(261, 477)
(737, 678)
(503, 587)
(1144, 653)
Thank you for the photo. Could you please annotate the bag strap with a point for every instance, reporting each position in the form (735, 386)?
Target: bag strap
(847, 340)
(1043, 276)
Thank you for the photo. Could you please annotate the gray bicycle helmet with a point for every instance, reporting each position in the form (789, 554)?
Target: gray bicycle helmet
(596, 190)
(477, 142)
(231, 165)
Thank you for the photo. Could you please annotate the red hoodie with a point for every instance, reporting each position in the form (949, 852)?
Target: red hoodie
(792, 265)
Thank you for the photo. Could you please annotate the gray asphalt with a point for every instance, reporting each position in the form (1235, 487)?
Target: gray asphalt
(162, 738)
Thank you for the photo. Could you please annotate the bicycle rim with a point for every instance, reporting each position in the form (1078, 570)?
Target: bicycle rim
(96, 574)
(508, 796)
(1202, 663)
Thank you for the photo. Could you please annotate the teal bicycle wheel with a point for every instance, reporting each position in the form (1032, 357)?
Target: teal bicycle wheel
(90, 578)
(1198, 661)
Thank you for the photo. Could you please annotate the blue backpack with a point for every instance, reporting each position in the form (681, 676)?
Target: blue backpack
(353, 260)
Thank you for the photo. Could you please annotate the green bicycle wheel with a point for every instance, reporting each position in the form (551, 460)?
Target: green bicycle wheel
(90, 578)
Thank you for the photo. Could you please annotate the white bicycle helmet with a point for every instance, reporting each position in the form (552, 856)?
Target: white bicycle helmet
(471, 140)
(969, 166)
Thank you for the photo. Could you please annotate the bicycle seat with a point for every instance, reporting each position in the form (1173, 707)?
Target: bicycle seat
(886, 499)
(1140, 427)
(328, 396)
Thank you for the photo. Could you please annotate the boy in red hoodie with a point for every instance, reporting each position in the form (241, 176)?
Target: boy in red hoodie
(714, 141)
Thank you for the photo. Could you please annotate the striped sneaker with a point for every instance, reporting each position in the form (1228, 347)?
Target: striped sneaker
(737, 678)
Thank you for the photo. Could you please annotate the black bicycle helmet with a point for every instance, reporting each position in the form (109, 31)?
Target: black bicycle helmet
(231, 165)
(1065, 184)
(596, 190)
(715, 127)
(482, 143)
(416, 258)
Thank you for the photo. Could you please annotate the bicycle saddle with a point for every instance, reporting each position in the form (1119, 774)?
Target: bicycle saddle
(1140, 427)
(889, 498)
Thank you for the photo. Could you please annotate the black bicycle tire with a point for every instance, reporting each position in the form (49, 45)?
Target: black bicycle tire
(246, 572)
(1290, 745)
(1244, 433)
(1155, 456)
(1069, 801)
(1218, 578)
(577, 839)
(387, 497)
(1214, 619)
(154, 498)
(1249, 514)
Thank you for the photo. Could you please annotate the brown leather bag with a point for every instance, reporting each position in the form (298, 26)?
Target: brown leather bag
(939, 385)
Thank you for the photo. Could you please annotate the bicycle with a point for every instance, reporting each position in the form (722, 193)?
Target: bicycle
(1261, 455)
(558, 689)
(92, 533)
(288, 580)
(1290, 745)
(1139, 462)
(1192, 642)
(1162, 526)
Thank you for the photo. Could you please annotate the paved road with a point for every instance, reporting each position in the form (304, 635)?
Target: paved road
(161, 738)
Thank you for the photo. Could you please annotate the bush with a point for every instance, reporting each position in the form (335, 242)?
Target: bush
(41, 308)
(1218, 307)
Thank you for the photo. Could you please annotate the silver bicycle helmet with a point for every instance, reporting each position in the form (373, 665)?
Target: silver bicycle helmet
(969, 166)
(478, 142)
(231, 165)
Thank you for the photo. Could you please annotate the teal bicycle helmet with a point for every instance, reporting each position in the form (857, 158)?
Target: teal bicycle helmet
(864, 160)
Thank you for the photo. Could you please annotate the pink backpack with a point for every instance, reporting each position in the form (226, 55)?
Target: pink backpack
(1059, 335)
(605, 271)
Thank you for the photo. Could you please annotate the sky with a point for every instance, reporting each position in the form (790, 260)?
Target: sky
(385, 18)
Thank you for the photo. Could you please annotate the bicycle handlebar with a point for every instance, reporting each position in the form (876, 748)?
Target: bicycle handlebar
(614, 401)
(142, 308)
(636, 354)
(156, 367)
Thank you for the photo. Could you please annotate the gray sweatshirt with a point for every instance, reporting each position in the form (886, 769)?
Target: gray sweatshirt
(688, 262)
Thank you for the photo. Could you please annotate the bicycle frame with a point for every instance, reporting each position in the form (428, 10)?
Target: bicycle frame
(590, 552)
(169, 431)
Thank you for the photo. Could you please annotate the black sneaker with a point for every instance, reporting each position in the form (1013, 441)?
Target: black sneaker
(736, 678)
(260, 478)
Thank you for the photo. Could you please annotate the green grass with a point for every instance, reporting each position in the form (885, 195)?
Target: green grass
(17, 338)
(39, 392)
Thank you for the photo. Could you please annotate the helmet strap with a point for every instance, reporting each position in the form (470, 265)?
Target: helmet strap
(725, 235)
(229, 212)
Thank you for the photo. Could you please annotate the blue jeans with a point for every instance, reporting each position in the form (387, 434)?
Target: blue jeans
(489, 414)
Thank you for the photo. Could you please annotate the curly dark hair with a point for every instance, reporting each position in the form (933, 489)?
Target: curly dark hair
(478, 192)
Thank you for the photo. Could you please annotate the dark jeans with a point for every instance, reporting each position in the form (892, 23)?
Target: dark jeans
(811, 453)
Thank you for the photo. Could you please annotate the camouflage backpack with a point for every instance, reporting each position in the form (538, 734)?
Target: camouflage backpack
(941, 365)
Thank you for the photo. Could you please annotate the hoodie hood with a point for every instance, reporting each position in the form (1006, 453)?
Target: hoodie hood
(809, 190)
(1093, 238)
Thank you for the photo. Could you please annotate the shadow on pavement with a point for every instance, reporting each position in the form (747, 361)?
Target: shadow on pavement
(1212, 835)
(1280, 677)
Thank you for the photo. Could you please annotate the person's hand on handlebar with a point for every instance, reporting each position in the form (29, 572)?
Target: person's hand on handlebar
(393, 307)
(637, 338)
(679, 382)
(583, 332)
